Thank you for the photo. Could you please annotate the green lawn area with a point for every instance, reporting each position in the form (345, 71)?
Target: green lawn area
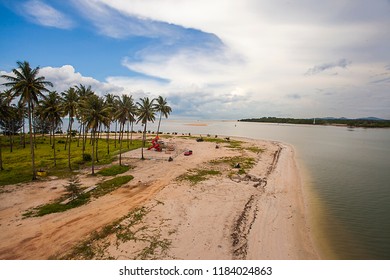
(17, 165)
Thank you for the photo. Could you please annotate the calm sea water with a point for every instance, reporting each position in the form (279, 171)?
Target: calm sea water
(349, 173)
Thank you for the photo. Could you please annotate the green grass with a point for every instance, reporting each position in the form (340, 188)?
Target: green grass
(17, 165)
(114, 170)
(198, 175)
(101, 189)
(233, 144)
(246, 163)
(110, 185)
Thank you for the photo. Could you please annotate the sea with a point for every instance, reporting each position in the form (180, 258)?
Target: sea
(346, 172)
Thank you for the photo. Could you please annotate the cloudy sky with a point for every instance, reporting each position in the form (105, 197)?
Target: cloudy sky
(220, 59)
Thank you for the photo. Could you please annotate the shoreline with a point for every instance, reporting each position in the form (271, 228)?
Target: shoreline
(260, 215)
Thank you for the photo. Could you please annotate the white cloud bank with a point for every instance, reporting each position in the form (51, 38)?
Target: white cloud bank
(270, 46)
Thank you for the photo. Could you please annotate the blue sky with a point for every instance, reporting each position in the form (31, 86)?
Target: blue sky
(222, 59)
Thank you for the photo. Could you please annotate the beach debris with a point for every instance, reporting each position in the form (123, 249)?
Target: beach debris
(217, 146)
(242, 228)
(258, 182)
(200, 139)
(237, 165)
(188, 153)
(170, 159)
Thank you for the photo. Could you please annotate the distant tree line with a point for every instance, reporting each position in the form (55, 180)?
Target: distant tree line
(378, 123)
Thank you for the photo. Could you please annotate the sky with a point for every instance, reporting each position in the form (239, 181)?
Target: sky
(220, 59)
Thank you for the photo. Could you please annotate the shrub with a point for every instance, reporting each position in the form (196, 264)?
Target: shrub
(87, 157)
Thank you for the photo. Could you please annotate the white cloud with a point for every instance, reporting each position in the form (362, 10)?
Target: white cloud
(66, 76)
(43, 14)
(268, 46)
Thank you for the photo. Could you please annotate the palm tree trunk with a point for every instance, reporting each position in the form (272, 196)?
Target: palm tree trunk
(78, 140)
(159, 121)
(93, 151)
(24, 134)
(131, 133)
(128, 135)
(67, 135)
(54, 147)
(116, 128)
(70, 142)
(143, 141)
(108, 138)
(1, 157)
(31, 141)
(120, 142)
(97, 142)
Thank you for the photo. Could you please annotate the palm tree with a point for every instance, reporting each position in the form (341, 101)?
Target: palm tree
(70, 100)
(52, 110)
(146, 113)
(84, 93)
(110, 102)
(4, 104)
(124, 113)
(95, 113)
(162, 107)
(29, 86)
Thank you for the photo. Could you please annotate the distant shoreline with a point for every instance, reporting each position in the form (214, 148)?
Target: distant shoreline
(365, 123)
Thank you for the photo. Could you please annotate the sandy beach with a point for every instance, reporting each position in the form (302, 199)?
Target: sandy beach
(258, 213)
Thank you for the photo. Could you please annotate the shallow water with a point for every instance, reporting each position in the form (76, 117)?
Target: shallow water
(349, 171)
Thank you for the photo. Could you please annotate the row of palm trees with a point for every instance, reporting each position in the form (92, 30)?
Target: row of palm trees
(78, 102)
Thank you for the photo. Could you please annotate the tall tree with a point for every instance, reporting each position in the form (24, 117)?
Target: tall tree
(95, 113)
(124, 112)
(162, 107)
(26, 83)
(84, 93)
(52, 110)
(70, 100)
(110, 103)
(146, 113)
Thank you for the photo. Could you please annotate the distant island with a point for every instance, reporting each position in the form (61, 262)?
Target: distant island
(370, 122)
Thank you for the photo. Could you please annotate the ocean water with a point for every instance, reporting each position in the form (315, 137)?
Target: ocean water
(348, 173)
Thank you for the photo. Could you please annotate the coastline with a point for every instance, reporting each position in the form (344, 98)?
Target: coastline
(260, 215)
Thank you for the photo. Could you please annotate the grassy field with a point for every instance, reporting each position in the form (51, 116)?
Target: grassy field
(17, 164)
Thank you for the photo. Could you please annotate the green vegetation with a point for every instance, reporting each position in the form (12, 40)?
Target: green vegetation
(45, 115)
(368, 123)
(110, 185)
(244, 163)
(114, 170)
(198, 175)
(17, 167)
(101, 189)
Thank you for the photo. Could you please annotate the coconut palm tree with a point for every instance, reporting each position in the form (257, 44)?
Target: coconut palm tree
(26, 83)
(162, 107)
(84, 93)
(124, 113)
(51, 109)
(95, 113)
(109, 102)
(146, 113)
(70, 100)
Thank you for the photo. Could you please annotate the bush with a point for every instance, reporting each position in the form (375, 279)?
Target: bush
(87, 157)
